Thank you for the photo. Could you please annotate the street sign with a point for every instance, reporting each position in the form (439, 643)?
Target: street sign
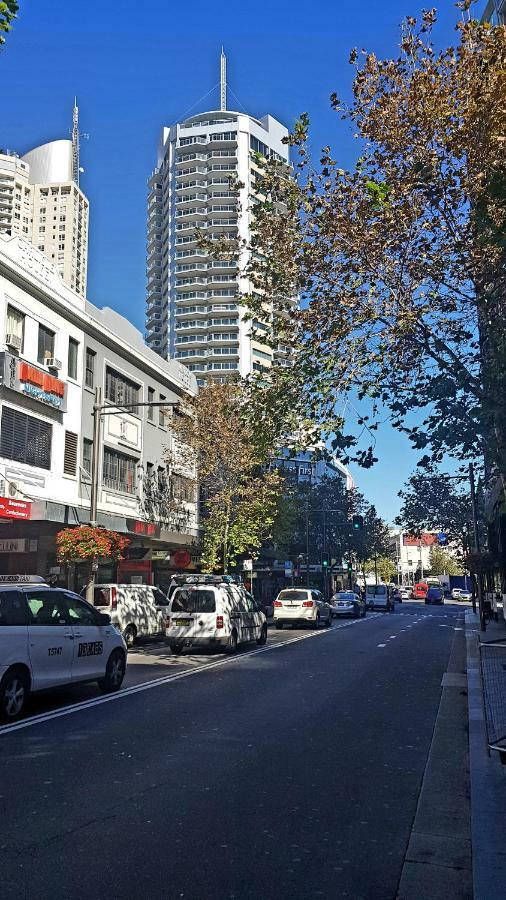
(442, 538)
(247, 565)
(288, 568)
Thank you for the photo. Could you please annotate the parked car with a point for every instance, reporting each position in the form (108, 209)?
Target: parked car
(465, 595)
(456, 592)
(347, 603)
(377, 596)
(51, 637)
(211, 611)
(419, 591)
(137, 610)
(301, 606)
(434, 595)
(404, 593)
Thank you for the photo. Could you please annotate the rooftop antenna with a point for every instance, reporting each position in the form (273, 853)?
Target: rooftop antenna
(223, 80)
(76, 135)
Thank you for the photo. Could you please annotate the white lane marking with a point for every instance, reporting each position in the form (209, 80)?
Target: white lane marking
(165, 679)
(392, 636)
(381, 645)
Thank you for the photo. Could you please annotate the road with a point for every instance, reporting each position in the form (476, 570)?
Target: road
(291, 771)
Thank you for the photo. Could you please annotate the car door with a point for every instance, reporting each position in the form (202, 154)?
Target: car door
(160, 609)
(91, 640)
(239, 614)
(14, 618)
(249, 615)
(320, 603)
(50, 639)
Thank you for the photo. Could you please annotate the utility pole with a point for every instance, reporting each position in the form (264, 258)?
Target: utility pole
(476, 534)
(307, 542)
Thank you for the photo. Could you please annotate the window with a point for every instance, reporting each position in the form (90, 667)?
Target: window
(13, 608)
(151, 409)
(119, 472)
(161, 415)
(70, 454)
(89, 374)
(72, 358)
(77, 612)
(45, 348)
(194, 600)
(16, 324)
(87, 454)
(45, 607)
(121, 390)
(25, 438)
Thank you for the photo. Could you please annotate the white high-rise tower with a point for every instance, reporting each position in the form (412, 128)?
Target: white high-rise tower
(192, 309)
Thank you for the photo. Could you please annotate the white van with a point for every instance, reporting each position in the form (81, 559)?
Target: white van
(51, 637)
(137, 610)
(212, 611)
(378, 596)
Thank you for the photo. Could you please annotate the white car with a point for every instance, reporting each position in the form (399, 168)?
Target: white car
(137, 610)
(51, 637)
(212, 611)
(377, 596)
(456, 592)
(465, 596)
(301, 606)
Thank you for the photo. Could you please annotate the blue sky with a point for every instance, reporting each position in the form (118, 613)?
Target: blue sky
(135, 67)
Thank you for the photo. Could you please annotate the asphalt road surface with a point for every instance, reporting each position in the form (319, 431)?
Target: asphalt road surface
(290, 771)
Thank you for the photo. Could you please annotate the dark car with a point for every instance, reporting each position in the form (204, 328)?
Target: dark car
(435, 595)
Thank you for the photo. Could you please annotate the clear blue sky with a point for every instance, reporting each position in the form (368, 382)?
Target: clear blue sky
(137, 66)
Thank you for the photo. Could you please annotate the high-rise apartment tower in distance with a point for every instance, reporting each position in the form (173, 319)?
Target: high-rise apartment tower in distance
(192, 309)
(40, 199)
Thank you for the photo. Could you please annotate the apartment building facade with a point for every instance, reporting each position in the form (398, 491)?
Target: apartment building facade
(204, 182)
(41, 201)
(56, 350)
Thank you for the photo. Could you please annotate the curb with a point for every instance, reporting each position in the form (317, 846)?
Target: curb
(488, 785)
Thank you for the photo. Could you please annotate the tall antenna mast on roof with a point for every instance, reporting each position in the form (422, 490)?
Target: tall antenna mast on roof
(75, 142)
(223, 80)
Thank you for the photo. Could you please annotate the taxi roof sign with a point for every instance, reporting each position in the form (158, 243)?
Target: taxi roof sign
(22, 579)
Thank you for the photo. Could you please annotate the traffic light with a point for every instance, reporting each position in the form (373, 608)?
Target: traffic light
(325, 560)
(350, 567)
(358, 523)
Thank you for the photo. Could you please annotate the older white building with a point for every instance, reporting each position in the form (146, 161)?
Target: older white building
(56, 349)
(192, 298)
(41, 200)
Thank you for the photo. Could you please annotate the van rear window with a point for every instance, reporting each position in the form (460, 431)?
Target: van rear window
(379, 590)
(101, 596)
(193, 600)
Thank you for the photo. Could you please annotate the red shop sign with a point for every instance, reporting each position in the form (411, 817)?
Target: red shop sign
(14, 509)
(181, 559)
(134, 565)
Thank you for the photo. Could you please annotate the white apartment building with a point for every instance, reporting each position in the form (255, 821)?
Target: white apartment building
(192, 309)
(56, 348)
(41, 200)
(412, 554)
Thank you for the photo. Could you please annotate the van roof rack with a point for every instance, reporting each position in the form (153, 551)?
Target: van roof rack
(202, 578)
(22, 579)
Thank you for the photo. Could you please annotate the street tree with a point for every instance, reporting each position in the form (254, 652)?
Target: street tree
(382, 566)
(8, 12)
(443, 563)
(239, 494)
(402, 260)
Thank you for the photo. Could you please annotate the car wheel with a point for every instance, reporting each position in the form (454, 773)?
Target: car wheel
(364, 613)
(129, 636)
(279, 626)
(114, 673)
(263, 636)
(328, 622)
(14, 689)
(232, 643)
(317, 621)
(176, 649)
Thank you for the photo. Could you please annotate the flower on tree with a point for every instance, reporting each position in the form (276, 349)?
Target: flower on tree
(88, 543)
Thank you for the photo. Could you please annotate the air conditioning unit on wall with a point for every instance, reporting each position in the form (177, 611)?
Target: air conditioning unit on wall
(12, 489)
(14, 341)
(53, 363)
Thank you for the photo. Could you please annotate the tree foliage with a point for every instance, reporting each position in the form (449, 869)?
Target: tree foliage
(8, 12)
(401, 260)
(239, 495)
(87, 543)
(434, 502)
(443, 563)
(383, 565)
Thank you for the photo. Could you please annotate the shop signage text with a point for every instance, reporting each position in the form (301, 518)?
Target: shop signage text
(14, 509)
(21, 376)
(18, 545)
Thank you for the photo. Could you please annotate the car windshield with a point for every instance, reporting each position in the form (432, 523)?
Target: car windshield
(292, 595)
(193, 600)
(379, 590)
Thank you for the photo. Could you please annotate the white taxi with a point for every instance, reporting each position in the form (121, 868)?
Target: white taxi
(51, 637)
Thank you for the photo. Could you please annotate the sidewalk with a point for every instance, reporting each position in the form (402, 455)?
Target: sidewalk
(438, 863)
(488, 775)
